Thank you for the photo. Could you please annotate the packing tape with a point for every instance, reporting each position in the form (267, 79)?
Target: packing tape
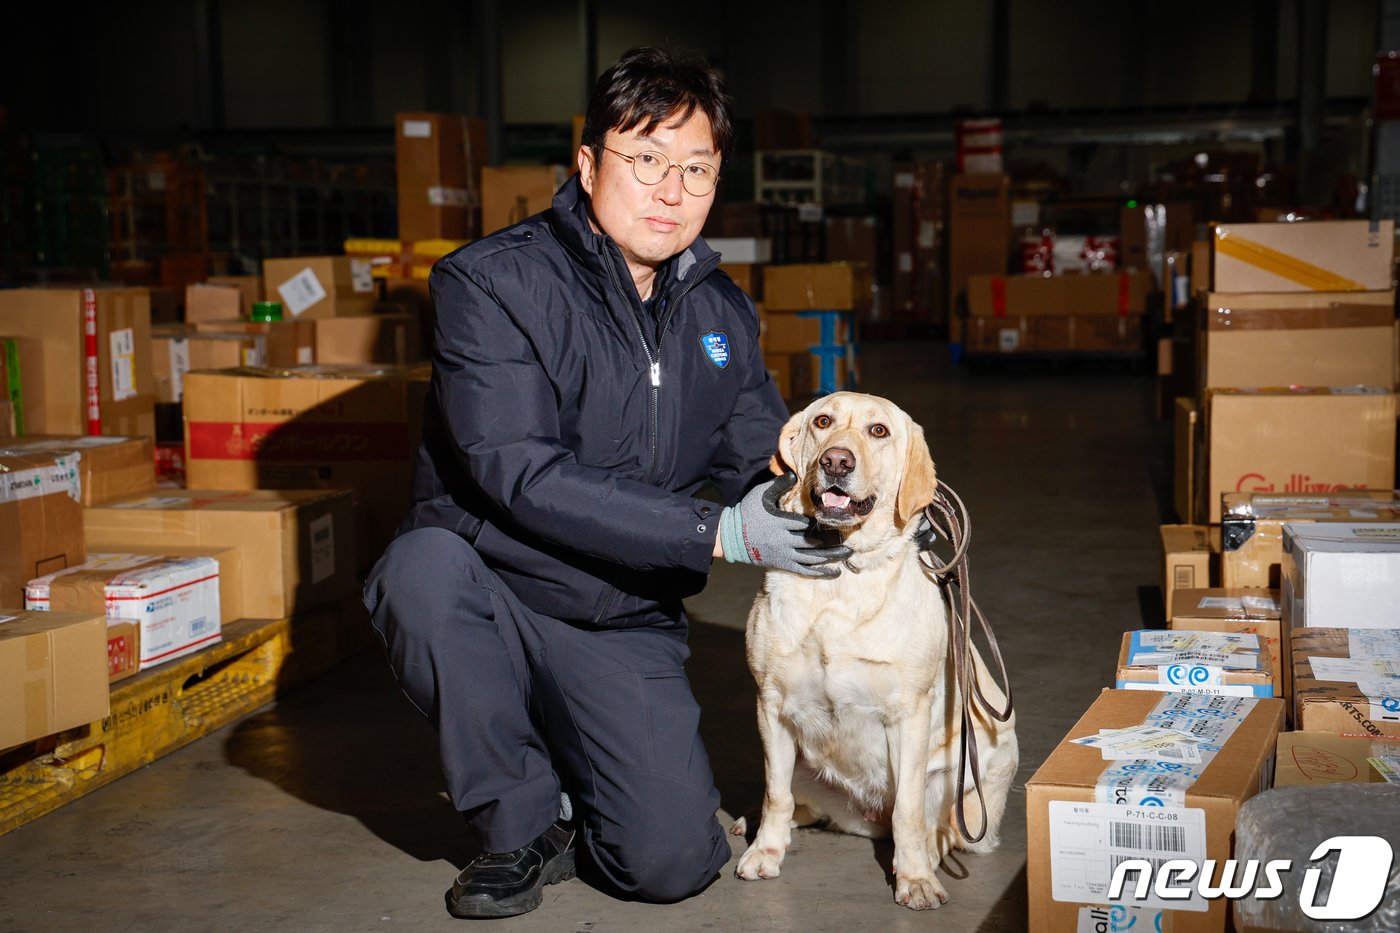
(1125, 294)
(1283, 265)
(15, 384)
(94, 393)
(1144, 783)
(998, 296)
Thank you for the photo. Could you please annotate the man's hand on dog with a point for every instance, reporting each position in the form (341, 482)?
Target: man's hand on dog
(758, 532)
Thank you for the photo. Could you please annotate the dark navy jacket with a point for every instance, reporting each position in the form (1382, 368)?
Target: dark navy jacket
(566, 439)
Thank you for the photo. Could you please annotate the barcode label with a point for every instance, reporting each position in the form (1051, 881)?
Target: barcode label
(1137, 836)
(1184, 577)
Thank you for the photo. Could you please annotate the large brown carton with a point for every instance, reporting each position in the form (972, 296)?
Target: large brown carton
(798, 331)
(176, 349)
(1185, 496)
(97, 383)
(1314, 758)
(1252, 523)
(250, 289)
(1340, 681)
(1340, 345)
(286, 343)
(1085, 813)
(1202, 663)
(213, 303)
(53, 673)
(81, 588)
(22, 385)
(314, 287)
(1123, 293)
(439, 158)
(108, 467)
(826, 286)
(296, 548)
(1243, 611)
(391, 339)
(41, 520)
(1192, 554)
(979, 229)
(1321, 256)
(318, 427)
(1302, 440)
(920, 242)
(510, 193)
(1055, 333)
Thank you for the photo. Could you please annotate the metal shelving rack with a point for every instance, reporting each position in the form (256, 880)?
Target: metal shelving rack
(808, 176)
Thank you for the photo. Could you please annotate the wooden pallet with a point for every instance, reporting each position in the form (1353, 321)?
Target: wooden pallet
(167, 707)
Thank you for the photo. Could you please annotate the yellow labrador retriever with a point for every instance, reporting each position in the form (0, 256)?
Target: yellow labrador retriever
(857, 707)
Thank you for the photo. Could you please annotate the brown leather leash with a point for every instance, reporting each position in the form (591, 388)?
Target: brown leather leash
(949, 516)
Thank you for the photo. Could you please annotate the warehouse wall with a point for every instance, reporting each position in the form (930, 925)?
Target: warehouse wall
(320, 64)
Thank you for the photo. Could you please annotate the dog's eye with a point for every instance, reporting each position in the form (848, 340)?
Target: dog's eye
(822, 421)
(879, 430)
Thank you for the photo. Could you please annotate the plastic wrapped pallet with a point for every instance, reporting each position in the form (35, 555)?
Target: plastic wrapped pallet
(1290, 823)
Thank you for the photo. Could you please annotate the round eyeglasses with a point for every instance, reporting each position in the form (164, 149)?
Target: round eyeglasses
(651, 168)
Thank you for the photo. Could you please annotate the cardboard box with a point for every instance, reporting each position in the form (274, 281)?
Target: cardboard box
(1078, 804)
(286, 343)
(108, 467)
(1202, 663)
(919, 242)
(1243, 611)
(22, 385)
(751, 250)
(175, 350)
(799, 331)
(1315, 758)
(296, 548)
(1252, 526)
(1348, 695)
(979, 229)
(1191, 556)
(319, 427)
(214, 303)
(1341, 575)
(829, 286)
(250, 288)
(1054, 334)
(53, 673)
(1320, 256)
(174, 600)
(1298, 440)
(510, 193)
(41, 521)
(747, 276)
(314, 287)
(439, 159)
(1123, 293)
(853, 239)
(779, 366)
(1185, 496)
(1341, 345)
(124, 400)
(377, 338)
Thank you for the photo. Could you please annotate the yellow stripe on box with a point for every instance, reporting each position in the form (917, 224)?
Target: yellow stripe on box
(1283, 265)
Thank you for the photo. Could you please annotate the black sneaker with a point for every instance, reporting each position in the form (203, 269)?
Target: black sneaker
(511, 883)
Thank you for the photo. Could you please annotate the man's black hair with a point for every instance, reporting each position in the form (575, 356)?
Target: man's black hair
(646, 86)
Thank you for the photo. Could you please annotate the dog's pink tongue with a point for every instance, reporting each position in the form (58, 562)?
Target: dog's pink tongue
(834, 500)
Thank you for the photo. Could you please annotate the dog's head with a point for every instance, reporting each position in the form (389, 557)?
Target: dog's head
(859, 459)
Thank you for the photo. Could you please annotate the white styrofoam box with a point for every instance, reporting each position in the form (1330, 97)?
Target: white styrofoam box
(1339, 575)
(175, 600)
(742, 249)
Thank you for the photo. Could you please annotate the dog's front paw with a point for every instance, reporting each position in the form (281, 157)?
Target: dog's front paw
(759, 862)
(919, 893)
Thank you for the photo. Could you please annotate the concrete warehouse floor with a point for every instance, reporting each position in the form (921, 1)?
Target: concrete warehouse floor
(323, 811)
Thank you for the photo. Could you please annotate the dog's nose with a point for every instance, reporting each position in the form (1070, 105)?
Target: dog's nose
(838, 461)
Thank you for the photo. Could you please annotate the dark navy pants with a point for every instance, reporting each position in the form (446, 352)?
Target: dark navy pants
(526, 705)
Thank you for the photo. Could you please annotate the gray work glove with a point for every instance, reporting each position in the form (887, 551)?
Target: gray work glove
(757, 532)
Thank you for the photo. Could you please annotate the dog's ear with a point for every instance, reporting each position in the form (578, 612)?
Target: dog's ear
(785, 459)
(919, 482)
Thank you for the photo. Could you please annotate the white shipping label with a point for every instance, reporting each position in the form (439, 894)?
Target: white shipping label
(60, 476)
(1374, 642)
(1214, 690)
(809, 213)
(418, 129)
(904, 179)
(1149, 743)
(1025, 213)
(1089, 840)
(1384, 697)
(322, 531)
(440, 196)
(301, 291)
(306, 355)
(123, 346)
(906, 262)
(1221, 602)
(362, 275)
(1268, 603)
(1388, 766)
(1354, 670)
(179, 365)
(1008, 339)
(1118, 919)
(928, 235)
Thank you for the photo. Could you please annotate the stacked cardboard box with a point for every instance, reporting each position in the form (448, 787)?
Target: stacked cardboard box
(807, 316)
(53, 673)
(979, 229)
(1069, 313)
(920, 217)
(439, 159)
(314, 287)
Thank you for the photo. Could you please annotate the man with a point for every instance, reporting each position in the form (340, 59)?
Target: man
(592, 372)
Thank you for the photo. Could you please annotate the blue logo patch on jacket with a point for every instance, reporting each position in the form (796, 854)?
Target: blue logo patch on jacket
(716, 347)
